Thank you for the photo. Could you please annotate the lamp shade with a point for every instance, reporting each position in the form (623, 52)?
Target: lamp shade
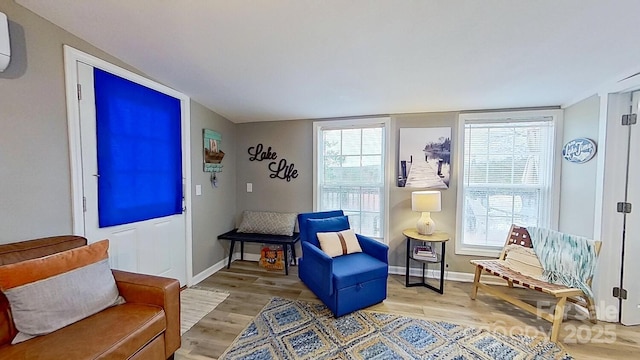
(425, 201)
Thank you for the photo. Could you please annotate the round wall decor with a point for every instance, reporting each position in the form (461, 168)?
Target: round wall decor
(579, 150)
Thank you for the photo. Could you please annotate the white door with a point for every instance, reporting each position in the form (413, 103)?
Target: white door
(631, 265)
(156, 246)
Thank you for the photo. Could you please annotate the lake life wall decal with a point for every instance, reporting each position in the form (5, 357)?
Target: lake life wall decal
(279, 169)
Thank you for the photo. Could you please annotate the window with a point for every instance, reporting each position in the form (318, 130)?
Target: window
(350, 171)
(507, 176)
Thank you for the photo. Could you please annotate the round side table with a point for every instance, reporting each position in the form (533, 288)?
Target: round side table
(413, 236)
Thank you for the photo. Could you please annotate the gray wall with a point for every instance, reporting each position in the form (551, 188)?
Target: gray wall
(35, 180)
(400, 215)
(293, 140)
(35, 188)
(35, 185)
(213, 212)
(578, 181)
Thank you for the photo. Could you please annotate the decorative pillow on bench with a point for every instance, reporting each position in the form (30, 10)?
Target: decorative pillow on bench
(266, 222)
(519, 254)
(51, 292)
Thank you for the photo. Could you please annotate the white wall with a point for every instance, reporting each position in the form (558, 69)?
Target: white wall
(578, 181)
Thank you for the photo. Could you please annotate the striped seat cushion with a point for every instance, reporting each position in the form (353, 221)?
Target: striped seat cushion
(498, 268)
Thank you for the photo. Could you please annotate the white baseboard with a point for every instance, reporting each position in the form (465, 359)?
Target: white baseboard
(400, 270)
(208, 272)
(448, 275)
(219, 266)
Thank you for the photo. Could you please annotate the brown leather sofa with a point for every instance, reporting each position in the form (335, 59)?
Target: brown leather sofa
(147, 326)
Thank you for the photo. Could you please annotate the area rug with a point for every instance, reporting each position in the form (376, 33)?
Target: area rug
(289, 329)
(195, 303)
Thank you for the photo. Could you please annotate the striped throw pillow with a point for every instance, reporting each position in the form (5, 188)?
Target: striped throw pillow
(339, 243)
(54, 291)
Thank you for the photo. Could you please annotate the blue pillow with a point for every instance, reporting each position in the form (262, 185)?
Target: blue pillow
(331, 224)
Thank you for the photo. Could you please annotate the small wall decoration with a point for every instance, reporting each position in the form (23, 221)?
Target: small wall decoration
(579, 150)
(212, 153)
(279, 169)
(424, 158)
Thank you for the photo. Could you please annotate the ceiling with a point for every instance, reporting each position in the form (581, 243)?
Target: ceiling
(290, 59)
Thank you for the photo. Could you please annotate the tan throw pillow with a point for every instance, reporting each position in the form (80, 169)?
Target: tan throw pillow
(339, 243)
(51, 292)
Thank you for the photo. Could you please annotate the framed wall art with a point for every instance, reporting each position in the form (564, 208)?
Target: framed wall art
(424, 158)
(213, 154)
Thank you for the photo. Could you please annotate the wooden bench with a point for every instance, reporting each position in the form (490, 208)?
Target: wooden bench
(560, 292)
(282, 240)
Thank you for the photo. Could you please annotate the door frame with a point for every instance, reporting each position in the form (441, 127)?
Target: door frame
(610, 176)
(71, 57)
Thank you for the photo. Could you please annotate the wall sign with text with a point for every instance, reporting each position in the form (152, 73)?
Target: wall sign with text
(579, 150)
(279, 169)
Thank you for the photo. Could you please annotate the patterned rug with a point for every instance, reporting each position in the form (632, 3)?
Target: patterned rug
(195, 303)
(289, 329)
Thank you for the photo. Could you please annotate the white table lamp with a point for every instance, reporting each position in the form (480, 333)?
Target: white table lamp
(426, 202)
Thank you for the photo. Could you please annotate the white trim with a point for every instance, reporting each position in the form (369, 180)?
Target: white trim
(393, 270)
(600, 165)
(73, 131)
(511, 115)
(556, 162)
(610, 180)
(389, 175)
(71, 57)
(387, 162)
(221, 265)
(448, 275)
(316, 134)
(186, 137)
(208, 272)
(399, 270)
(610, 175)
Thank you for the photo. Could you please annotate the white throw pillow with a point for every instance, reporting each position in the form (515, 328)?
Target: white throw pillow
(339, 243)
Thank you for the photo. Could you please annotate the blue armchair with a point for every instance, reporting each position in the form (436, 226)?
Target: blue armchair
(345, 283)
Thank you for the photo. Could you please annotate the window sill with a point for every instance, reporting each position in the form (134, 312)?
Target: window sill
(477, 251)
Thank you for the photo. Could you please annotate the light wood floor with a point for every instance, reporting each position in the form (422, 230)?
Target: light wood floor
(251, 287)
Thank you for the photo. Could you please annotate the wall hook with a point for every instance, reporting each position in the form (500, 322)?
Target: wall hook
(214, 180)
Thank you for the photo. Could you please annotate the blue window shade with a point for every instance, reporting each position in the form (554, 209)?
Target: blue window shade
(139, 151)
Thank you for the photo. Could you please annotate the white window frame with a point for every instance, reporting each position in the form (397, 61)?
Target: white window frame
(318, 126)
(557, 115)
